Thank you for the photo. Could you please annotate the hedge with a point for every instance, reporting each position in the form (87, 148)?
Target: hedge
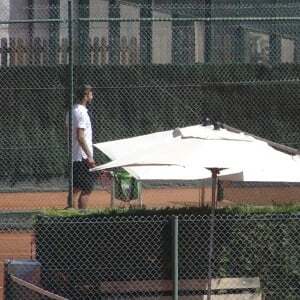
(89, 248)
(139, 99)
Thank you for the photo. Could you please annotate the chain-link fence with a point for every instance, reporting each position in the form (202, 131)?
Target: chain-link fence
(153, 66)
(246, 257)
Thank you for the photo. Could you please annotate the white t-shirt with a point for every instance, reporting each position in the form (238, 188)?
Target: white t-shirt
(82, 120)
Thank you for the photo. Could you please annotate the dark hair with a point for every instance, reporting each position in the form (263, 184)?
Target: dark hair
(82, 91)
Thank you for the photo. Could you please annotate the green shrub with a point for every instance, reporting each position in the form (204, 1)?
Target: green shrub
(89, 247)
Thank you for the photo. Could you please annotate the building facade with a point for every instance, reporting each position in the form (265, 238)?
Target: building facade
(154, 31)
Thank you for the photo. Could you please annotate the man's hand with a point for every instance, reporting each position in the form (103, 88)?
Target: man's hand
(91, 162)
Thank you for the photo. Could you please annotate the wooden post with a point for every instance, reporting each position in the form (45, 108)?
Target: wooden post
(12, 44)
(123, 51)
(103, 51)
(45, 56)
(132, 51)
(64, 51)
(37, 51)
(4, 52)
(96, 51)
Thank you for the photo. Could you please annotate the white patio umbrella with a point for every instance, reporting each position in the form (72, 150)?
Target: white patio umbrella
(128, 147)
(198, 152)
(124, 148)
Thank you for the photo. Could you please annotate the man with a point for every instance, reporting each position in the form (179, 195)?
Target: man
(83, 159)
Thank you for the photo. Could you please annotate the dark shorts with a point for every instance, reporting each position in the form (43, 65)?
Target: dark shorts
(83, 179)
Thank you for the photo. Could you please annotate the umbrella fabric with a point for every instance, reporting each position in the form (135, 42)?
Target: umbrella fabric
(121, 148)
(172, 142)
(171, 172)
(189, 153)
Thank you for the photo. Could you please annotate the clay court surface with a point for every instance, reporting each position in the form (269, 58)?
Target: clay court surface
(20, 245)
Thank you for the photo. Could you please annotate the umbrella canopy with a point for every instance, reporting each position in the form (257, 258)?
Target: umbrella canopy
(190, 152)
(199, 152)
(128, 148)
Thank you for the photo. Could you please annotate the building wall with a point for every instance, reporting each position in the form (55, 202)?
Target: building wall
(4, 15)
(199, 41)
(256, 40)
(41, 11)
(162, 39)
(18, 10)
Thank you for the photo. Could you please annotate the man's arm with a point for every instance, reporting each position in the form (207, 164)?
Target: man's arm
(83, 144)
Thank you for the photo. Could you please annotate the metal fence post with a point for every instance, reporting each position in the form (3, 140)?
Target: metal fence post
(146, 33)
(71, 94)
(114, 32)
(54, 32)
(208, 32)
(175, 257)
(83, 33)
(7, 271)
(212, 232)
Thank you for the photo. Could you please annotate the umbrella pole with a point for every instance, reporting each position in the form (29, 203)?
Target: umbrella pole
(214, 174)
(113, 196)
(202, 193)
(140, 201)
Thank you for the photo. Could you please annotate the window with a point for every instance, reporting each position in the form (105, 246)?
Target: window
(287, 50)
(258, 47)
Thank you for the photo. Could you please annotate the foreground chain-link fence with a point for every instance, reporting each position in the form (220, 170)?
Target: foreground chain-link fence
(153, 66)
(246, 257)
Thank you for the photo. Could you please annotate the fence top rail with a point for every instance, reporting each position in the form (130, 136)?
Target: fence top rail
(3, 22)
(210, 19)
(169, 19)
(204, 19)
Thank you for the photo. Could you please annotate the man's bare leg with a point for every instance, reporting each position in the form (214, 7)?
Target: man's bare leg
(76, 196)
(72, 202)
(83, 199)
